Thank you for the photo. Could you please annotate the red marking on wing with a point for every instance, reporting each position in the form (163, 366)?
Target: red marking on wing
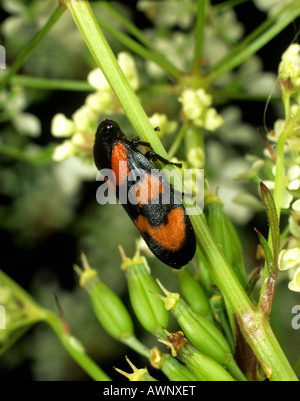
(119, 154)
(171, 235)
(148, 188)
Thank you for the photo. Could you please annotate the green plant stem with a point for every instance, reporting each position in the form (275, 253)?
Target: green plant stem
(179, 137)
(77, 353)
(137, 346)
(20, 294)
(199, 34)
(139, 35)
(45, 156)
(126, 22)
(51, 84)
(139, 49)
(22, 56)
(225, 5)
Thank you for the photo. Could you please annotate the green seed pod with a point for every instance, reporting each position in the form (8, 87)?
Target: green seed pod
(194, 294)
(237, 252)
(227, 238)
(206, 278)
(216, 223)
(171, 367)
(202, 333)
(107, 306)
(202, 366)
(217, 303)
(205, 336)
(111, 312)
(148, 307)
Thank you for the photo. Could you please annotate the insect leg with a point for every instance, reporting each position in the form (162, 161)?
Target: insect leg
(154, 156)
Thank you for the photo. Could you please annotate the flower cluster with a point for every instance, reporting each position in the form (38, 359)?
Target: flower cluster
(79, 131)
(196, 106)
(285, 139)
(289, 259)
(289, 73)
(166, 126)
(289, 68)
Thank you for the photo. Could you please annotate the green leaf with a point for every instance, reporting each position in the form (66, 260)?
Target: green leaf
(273, 221)
(268, 252)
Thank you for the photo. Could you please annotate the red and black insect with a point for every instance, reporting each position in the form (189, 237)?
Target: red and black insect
(141, 189)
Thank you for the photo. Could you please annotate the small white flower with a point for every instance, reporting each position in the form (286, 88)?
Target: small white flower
(294, 226)
(296, 205)
(289, 67)
(294, 110)
(127, 64)
(28, 124)
(279, 126)
(290, 182)
(270, 6)
(195, 105)
(161, 120)
(269, 184)
(294, 177)
(286, 199)
(169, 13)
(196, 157)
(294, 285)
(61, 126)
(101, 101)
(85, 118)
(289, 259)
(192, 107)
(63, 151)
(97, 79)
(78, 139)
(16, 100)
(213, 120)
